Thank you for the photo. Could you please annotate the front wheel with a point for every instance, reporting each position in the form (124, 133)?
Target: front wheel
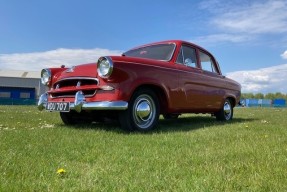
(226, 112)
(142, 113)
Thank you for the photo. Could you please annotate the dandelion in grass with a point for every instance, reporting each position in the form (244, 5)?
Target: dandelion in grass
(61, 172)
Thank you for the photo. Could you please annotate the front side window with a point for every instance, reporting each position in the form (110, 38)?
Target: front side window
(162, 52)
(187, 56)
(207, 63)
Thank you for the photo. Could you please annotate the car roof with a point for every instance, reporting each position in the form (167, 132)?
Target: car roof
(177, 42)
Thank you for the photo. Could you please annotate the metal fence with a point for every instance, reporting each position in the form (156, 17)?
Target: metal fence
(263, 103)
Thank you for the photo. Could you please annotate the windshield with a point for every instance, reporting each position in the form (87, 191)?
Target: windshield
(161, 52)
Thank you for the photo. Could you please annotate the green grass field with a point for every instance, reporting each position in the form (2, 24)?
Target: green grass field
(193, 153)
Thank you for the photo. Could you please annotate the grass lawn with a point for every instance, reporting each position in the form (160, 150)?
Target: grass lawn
(193, 153)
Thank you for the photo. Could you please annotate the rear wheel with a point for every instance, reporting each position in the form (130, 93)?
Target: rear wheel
(226, 112)
(142, 113)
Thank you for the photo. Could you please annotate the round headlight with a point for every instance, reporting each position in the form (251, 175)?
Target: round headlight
(105, 67)
(45, 76)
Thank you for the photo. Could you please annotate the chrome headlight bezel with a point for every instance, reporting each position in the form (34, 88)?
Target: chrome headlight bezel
(46, 76)
(105, 67)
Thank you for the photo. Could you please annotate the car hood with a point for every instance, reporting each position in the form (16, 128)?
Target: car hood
(84, 70)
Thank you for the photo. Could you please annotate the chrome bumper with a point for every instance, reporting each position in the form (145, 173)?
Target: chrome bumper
(80, 103)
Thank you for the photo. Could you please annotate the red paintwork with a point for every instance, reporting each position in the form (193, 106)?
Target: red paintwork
(180, 88)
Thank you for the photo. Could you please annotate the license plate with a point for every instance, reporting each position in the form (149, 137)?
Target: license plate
(58, 106)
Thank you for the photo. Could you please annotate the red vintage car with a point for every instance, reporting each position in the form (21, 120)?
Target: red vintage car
(168, 78)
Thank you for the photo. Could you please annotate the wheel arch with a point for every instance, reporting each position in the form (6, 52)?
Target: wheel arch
(232, 100)
(160, 93)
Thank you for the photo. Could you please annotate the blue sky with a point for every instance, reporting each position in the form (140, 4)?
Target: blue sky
(248, 38)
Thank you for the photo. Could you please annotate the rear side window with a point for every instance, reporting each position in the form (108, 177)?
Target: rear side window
(207, 63)
(187, 56)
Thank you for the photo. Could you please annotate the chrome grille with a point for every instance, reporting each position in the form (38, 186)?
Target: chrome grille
(74, 83)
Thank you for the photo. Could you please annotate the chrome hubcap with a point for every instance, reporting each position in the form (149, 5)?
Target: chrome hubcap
(144, 111)
(227, 110)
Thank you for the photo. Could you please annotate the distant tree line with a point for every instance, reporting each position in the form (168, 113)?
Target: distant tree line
(271, 96)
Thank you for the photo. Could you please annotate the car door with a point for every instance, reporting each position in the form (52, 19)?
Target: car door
(213, 84)
(190, 79)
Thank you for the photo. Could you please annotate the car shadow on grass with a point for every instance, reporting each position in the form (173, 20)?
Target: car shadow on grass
(184, 123)
(107, 125)
(195, 122)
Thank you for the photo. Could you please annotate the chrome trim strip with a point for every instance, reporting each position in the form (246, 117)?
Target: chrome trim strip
(169, 68)
(103, 105)
(63, 96)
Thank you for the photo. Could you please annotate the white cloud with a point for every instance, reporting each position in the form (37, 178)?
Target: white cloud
(54, 58)
(265, 80)
(266, 17)
(284, 55)
(240, 21)
(217, 38)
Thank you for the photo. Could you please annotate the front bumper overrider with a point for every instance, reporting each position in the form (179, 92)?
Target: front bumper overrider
(80, 103)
